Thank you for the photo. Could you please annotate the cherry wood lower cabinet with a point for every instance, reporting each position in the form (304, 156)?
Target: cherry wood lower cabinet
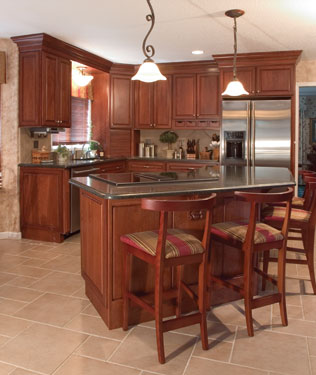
(104, 221)
(44, 200)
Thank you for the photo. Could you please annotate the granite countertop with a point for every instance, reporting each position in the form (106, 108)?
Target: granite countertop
(230, 178)
(82, 162)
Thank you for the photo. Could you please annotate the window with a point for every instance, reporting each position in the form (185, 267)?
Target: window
(80, 123)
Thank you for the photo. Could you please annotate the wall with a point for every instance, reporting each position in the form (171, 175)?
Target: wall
(9, 202)
(306, 71)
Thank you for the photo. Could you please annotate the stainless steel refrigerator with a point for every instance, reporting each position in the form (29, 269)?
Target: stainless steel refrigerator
(256, 133)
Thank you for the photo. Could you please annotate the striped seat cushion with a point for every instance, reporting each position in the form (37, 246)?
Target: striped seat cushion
(276, 213)
(178, 243)
(298, 201)
(237, 231)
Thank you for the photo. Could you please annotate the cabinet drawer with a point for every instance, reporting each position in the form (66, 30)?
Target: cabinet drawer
(184, 167)
(112, 167)
(141, 166)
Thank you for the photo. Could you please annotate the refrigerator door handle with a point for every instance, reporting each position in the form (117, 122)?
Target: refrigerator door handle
(248, 140)
(253, 134)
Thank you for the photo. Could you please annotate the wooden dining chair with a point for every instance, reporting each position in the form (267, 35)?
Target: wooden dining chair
(170, 248)
(251, 238)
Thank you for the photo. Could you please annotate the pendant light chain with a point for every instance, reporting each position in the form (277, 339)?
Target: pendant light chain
(149, 50)
(235, 50)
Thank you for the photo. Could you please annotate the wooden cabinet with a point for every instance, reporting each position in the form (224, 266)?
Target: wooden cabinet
(196, 97)
(111, 167)
(184, 167)
(146, 166)
(121, 101)
(153, 104)
(274, 80)
(45, 203)
(204, 124)
(44, 90)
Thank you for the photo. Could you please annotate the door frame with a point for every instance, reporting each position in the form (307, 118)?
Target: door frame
(297, 124)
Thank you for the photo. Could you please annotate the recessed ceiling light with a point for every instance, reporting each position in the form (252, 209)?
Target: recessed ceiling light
(198, 52)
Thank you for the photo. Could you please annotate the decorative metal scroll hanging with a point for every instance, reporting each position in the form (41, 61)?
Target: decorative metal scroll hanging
(149, 71)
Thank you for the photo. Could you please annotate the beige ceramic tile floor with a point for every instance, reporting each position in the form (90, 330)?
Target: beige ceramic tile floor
(48, 326)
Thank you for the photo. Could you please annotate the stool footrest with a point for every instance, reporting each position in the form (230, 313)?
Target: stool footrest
(139, 301)
(266, 300)
(292, 261)
(266, 276)
(295, 250)
(183, 321)
(227, 284)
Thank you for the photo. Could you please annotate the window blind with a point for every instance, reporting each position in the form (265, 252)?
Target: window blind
(80, 123)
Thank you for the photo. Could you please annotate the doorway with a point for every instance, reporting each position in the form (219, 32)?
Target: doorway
(305, 128)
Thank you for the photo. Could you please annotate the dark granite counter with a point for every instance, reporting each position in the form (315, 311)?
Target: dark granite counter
(229, 178)
(72, 163)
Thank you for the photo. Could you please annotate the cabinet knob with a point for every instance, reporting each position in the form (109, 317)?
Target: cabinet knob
(154, 125)
(253, 91)
(258, 91)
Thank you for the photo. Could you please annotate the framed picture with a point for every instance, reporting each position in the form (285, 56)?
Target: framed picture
(312, 130)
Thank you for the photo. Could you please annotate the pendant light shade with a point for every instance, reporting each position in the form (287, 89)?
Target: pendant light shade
(235, 87)
(80, 78)
(149, 71)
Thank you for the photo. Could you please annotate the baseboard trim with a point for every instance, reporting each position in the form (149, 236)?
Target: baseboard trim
(10, 235)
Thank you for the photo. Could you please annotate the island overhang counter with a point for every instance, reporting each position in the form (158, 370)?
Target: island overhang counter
(110, 207)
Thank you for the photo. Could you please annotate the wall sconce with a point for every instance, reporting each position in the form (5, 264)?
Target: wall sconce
(235, 87)
(80, 78)
(149, 71)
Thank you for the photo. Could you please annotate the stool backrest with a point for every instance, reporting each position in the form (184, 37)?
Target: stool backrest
(311, 186)
(309, 191)
(168, 205)
(256, 199)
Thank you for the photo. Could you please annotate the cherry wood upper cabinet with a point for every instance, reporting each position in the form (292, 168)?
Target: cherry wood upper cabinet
(207, 100)
(121, 101)
(196, 96)
(275, 80)
(153, 104)
(261, 73)
(184, 96)
(245, 75)
(44, 90)
(56, 91)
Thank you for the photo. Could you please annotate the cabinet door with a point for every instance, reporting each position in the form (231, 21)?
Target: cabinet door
(29, 89)
(245, 75)
(144, 105)
(184, 96)
(183, 167)
(121, 101)
(117, 166)
(208, 100)
(275, 80)
(64, 90)
(162, 103)
(50, 83)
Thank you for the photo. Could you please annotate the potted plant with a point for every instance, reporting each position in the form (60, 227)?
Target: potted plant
(93, 147)
(63, 153)
(169, 137)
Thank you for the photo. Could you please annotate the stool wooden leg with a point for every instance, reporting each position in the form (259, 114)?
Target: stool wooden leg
(202, 302)
(210, 282)
(125, 284)
(281, 283)
(248, 273)
(179, 296)
(266, 255)
(308, 241)
(159, 314)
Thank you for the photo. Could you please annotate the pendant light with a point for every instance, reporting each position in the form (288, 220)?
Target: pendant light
(149, 71)
(80, 78)
(235, 87)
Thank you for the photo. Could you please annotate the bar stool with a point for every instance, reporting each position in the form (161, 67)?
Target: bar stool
(301, 220)
(170, 248)
(251, 238)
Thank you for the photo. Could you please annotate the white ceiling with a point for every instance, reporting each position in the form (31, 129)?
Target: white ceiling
(115, 29)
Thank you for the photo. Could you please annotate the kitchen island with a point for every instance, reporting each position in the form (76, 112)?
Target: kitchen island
(110, 207)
